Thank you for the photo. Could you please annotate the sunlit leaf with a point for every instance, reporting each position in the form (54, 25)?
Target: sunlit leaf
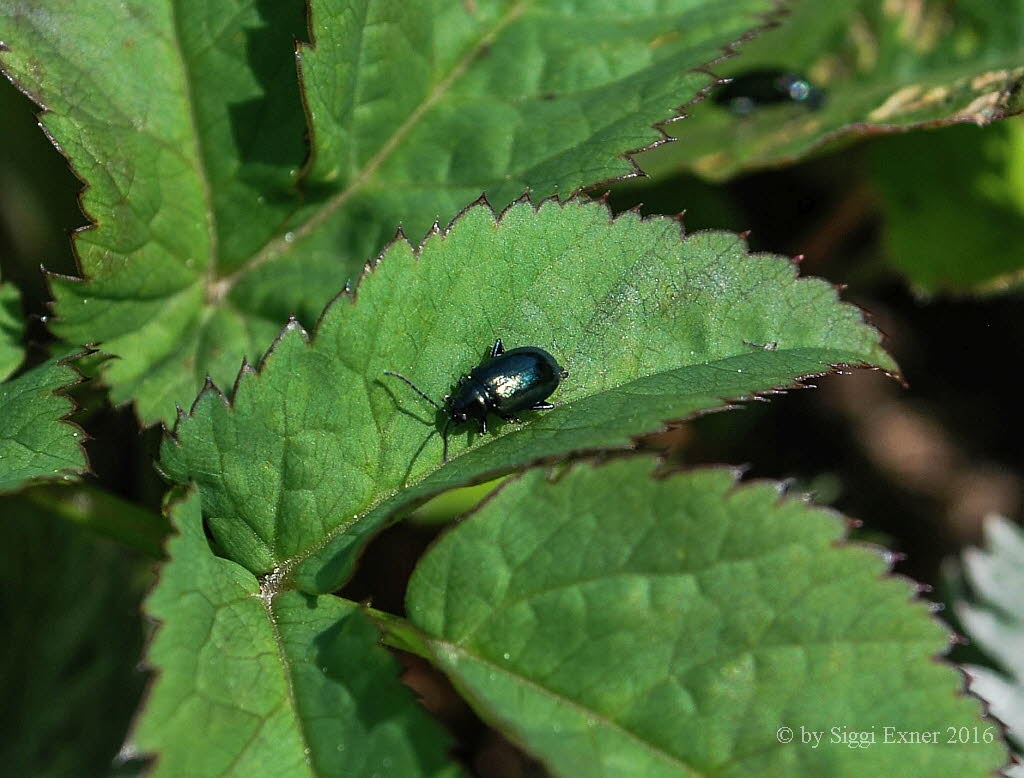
(255, 682)
(319, 448)
(616, 624)
(184, 119)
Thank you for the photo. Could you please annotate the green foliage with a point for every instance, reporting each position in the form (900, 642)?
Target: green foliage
(680, 642)
(69, 678)
(207, 238)
(954, 206)
(610, 619)
(105, 514)
(285, 685)
(12, 326)
(35, 442)
(993, 617)
(316, 450)
(884, 66)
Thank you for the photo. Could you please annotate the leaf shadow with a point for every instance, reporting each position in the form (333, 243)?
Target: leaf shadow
(349, 656)
(270, 131)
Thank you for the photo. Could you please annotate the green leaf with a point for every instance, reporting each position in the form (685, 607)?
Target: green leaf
(184, 118)
(252, 681)
(978, 245)
(616, 624)
(105, 514)
(993, 617)
(36, 443)
(495, 97)
(12, 328)
(884, 66)
(190, 137)
(319, 448)
(69, 677)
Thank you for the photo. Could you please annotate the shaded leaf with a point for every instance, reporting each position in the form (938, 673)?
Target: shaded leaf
(978, 243)
(616, 624)
(884, 66)
(315, 452)
(38, 201)
(35, 442)
(105, 514)
(993, 617)
(12, 327)
(69, 677)
(253, 682)
(190, 135)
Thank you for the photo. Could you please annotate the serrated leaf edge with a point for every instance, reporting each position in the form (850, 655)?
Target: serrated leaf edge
(983, 551)
(81, 436)
(349, 295)
(664, 471)
(280, 246)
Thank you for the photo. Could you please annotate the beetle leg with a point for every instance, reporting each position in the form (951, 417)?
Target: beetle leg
(497, 349)
(511, 418)
(541, 407)
(483, 426)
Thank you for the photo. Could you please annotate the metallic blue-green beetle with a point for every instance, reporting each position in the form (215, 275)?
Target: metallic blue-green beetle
(520, 379)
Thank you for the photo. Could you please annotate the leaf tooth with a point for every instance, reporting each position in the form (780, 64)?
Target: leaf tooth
(635, 210)
(246, 370)
(209, 389)
(292, 329)
(48, 274)
(480, 202)
(78, 378)
(526, 199)
(784, 487)
(293, 325)
(180, 414)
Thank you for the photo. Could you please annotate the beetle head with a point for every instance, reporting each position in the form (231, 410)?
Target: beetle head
(469, 402)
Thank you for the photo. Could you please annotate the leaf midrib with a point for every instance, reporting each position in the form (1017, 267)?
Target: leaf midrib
(202, 173)
(289, 681)
(292, 562)
(279, 246)
(452, 649)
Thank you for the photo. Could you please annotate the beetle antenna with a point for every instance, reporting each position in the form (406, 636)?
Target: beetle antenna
(413, 386)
